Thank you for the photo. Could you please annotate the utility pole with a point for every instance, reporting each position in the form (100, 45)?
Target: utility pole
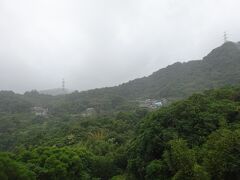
(63, 84)
(225, 38)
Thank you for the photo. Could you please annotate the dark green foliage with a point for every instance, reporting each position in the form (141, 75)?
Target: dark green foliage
(156, 170)
(222, 154)
(13, 103)
(67, 146)
(196, 138)
(58, 163)
(182, 163)
(12, 170)
(104, 167)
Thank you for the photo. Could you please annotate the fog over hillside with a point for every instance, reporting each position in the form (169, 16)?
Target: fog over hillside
(96, 43)
(119, 90)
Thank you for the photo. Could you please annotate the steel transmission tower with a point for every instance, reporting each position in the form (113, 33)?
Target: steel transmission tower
(63, 84)
(225, 37)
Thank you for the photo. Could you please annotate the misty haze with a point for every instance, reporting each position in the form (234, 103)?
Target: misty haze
(103, 43)
(119, 90)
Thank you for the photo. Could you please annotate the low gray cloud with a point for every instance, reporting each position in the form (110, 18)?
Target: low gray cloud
(97, 43)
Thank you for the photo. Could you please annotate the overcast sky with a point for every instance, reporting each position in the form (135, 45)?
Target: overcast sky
(97, 43)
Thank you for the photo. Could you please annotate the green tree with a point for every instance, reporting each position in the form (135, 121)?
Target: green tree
(222, 154)
(182, 162)
(12, 170)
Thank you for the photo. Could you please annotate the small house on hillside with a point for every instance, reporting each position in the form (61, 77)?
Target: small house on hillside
(40, 111)
(89, 112)
(152, 103)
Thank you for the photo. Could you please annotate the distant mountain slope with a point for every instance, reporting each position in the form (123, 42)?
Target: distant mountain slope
(55, 92)
(219, 68)
(13, 103)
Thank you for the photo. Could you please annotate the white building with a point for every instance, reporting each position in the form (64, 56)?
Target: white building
(40, 111)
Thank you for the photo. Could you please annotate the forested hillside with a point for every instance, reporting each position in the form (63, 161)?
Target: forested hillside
(195, 138)
(220, 67)
(124, 112)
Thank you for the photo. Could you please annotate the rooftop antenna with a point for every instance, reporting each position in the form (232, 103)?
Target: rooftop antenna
(63, 84)
(225, 38)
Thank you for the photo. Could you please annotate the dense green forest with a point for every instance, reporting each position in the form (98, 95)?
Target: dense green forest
(194, 138)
